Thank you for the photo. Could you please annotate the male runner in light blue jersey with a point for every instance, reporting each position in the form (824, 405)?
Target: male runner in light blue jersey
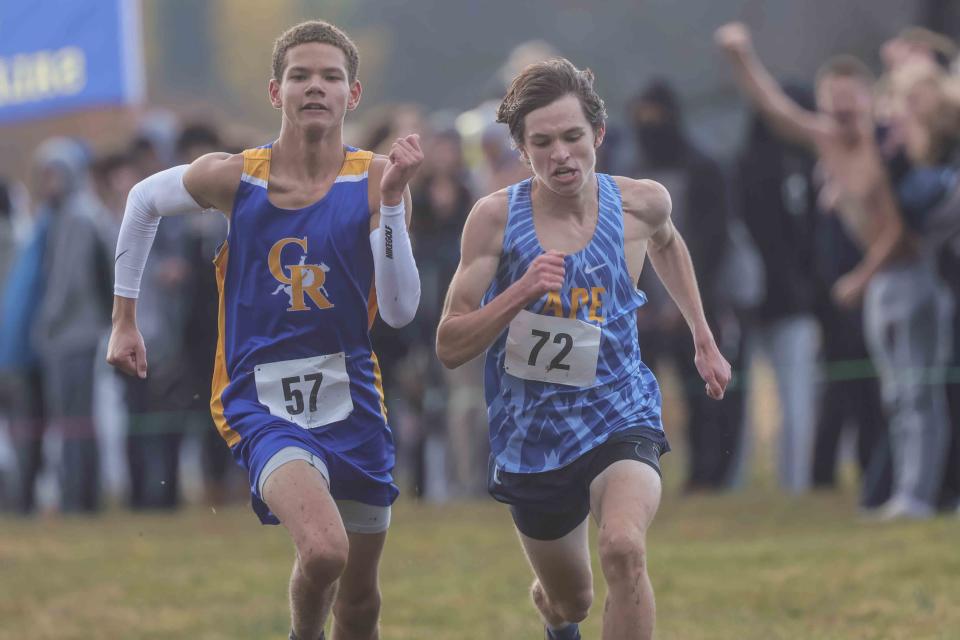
(317, 243)
(547, 286)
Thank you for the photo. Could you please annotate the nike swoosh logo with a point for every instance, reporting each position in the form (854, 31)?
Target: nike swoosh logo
(120, 255)
(590, 270)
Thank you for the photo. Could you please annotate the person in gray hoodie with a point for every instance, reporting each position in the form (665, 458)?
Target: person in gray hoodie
(74, 312)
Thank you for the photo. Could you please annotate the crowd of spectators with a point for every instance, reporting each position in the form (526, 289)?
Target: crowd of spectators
(828, 244)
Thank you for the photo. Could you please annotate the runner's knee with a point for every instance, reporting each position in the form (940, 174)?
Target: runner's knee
(623, 553)
(322, 560)
(572, 605)
(576, 607)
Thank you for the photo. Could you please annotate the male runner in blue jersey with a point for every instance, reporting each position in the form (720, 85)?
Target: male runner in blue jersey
(317, 242)
(547, 286)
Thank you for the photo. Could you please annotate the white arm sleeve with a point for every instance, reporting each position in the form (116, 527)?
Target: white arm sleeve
(395, 272)
(162, 194)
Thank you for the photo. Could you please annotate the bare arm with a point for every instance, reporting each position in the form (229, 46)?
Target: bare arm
(890, 242)
(467, 329)
(212, 180)
(671, 260)
(783, 114)
(893, 232)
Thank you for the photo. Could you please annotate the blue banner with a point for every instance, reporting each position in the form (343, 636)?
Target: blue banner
(58, 56)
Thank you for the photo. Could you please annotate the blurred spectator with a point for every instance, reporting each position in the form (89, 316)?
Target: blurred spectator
(401, 363)
(153, 148)
(197, 139)
(950, 271)
(494, 161)
(778, 201)
(904, 302)
(943, 233)
(918, 44)
(11, 373)
(927, 102)
(114, 175)
(777, 198)
(74, 312)
(701, 214)
(157, 405)
(442, 201)
(7, 239)
(838, 137)
(501, 165)
(912, 47)
(389, 122)
(850, 393)
(519, 58)
(203, 237)
(21, 380)
(7, 252)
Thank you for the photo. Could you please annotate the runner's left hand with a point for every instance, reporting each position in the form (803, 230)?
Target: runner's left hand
(403, 161)
(714, 369)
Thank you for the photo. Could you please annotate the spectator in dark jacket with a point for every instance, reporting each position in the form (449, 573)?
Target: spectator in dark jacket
(701, 214)
(777, 197)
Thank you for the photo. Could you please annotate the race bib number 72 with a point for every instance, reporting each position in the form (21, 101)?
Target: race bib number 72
(310, 392)
(550, 349)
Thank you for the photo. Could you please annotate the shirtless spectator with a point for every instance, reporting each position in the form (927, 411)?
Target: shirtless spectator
(904, 303)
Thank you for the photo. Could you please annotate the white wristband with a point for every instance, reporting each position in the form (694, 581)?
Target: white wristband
(392, 211)
(395, 271)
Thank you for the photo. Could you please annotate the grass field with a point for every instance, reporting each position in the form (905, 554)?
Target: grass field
(753, 565)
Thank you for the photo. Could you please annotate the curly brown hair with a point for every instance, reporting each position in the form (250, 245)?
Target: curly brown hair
(314, 31)
(542, 83)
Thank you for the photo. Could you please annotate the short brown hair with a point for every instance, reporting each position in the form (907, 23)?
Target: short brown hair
(845, 66)
(314, 31)
(542, 83)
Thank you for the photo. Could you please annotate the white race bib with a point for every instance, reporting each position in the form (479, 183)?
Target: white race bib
(550, 349)
(310, 392)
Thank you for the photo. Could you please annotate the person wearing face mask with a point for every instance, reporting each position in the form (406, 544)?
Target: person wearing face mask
(701, 213)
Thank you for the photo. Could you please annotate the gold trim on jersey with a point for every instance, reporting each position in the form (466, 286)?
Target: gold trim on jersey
(256, 166)
(221, 379)
(378, 383)
(355, 166)
(377, 376)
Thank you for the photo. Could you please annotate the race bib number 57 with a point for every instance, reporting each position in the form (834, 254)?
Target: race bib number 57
(310, 392)
(550, 349)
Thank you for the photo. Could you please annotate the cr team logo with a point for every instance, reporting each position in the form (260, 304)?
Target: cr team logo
(299, 281)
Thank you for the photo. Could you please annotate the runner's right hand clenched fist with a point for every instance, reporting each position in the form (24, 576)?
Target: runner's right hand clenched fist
(544, 274)
(126, 351)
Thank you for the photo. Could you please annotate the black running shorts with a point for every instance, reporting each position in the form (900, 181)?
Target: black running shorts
(551, 504)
